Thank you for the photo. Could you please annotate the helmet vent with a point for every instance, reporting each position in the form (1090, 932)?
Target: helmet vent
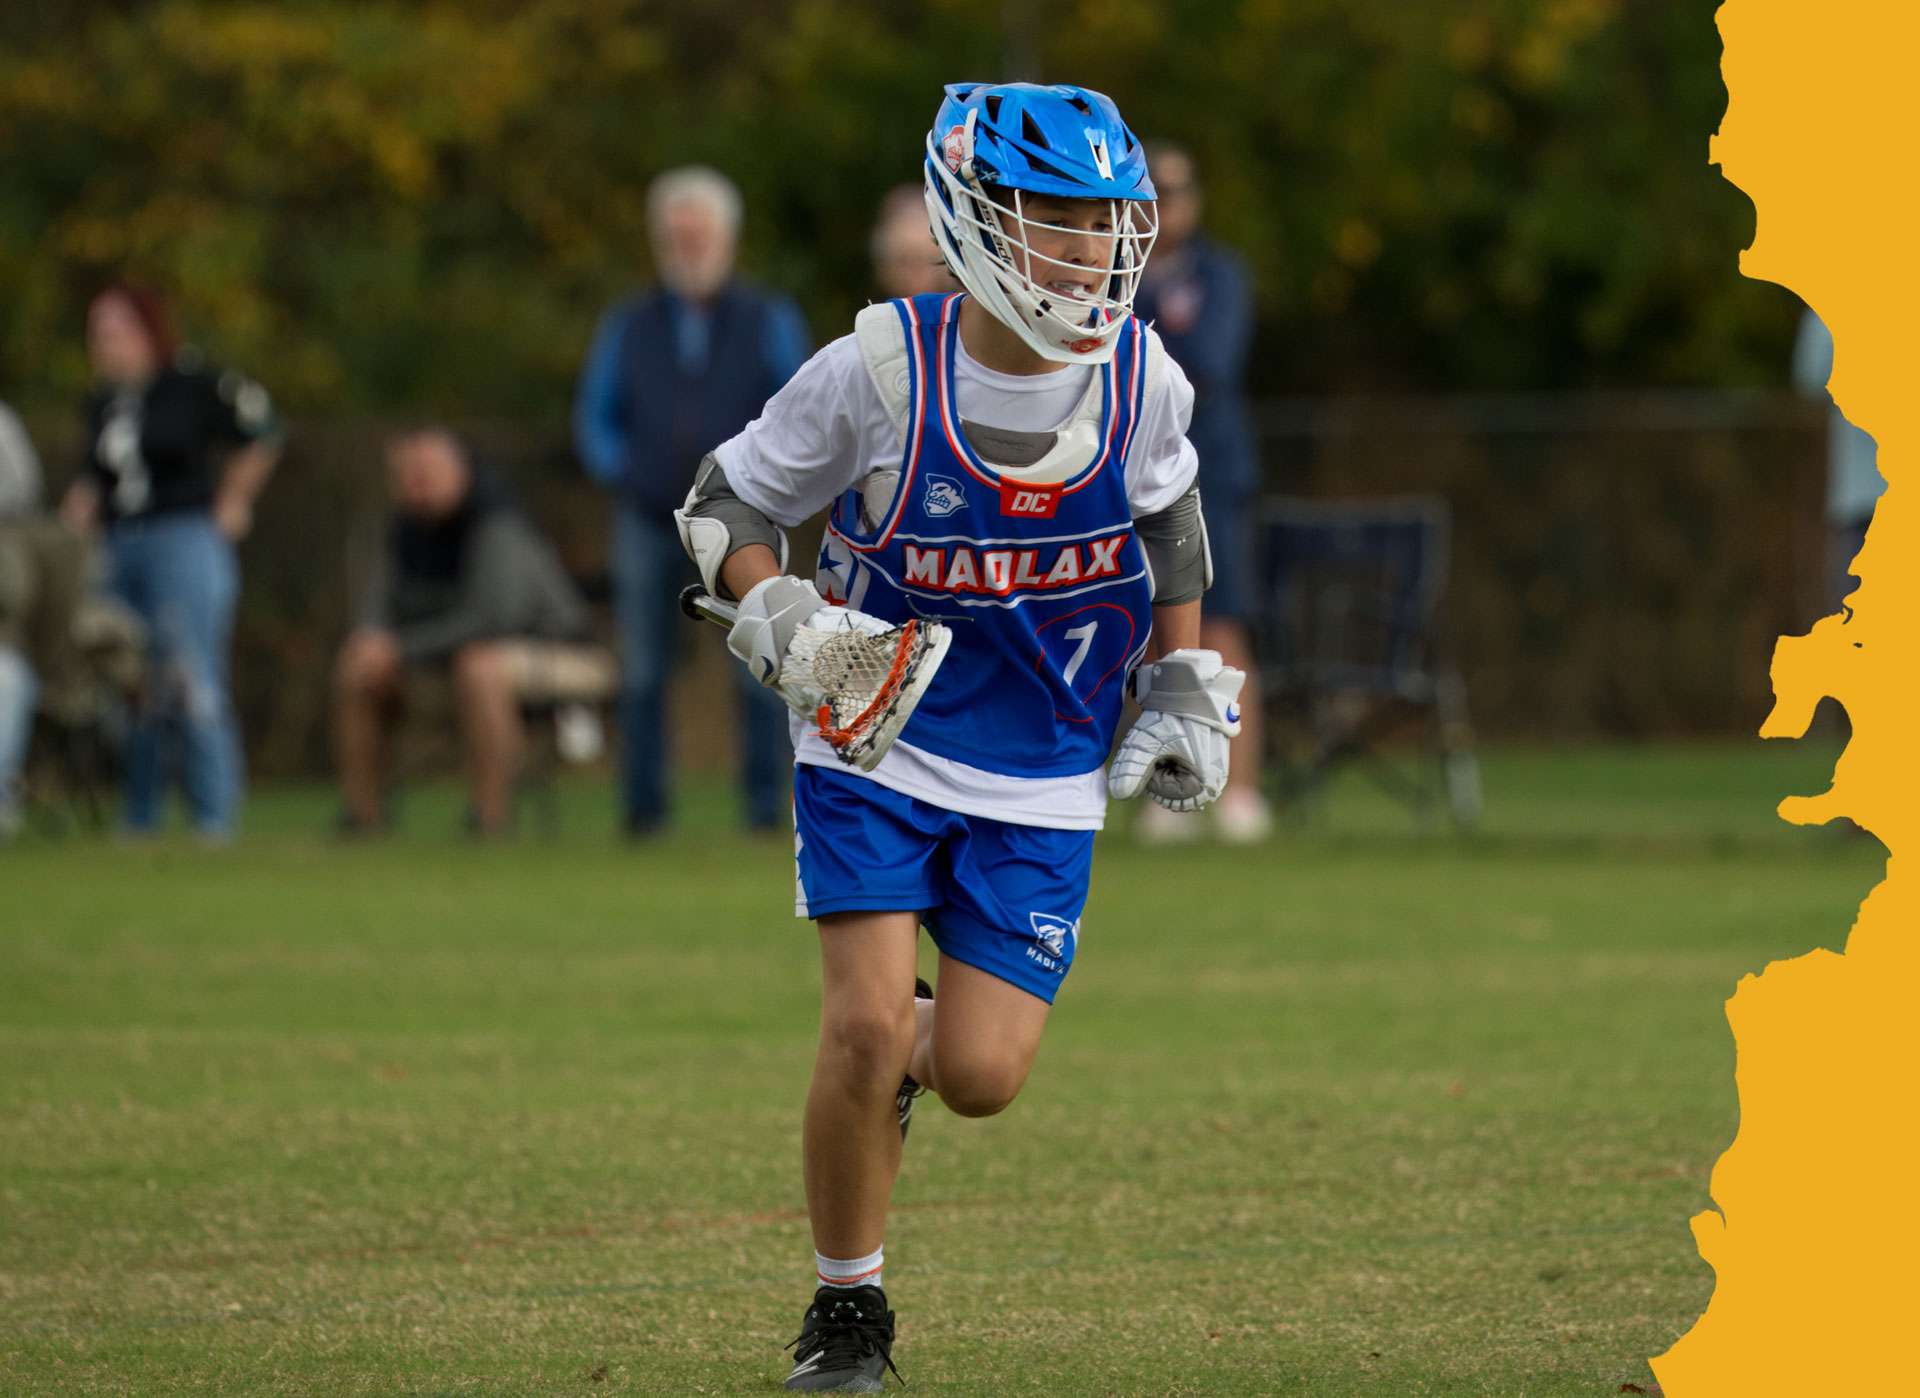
(1078, 101)
(1030, 130)
(993, 109)
(1047, 167)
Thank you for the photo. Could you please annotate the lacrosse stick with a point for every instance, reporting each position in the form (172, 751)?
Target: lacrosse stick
(859, 685)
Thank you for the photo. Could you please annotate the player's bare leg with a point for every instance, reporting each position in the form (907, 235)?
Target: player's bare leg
(977, 1041)
(867, 1022)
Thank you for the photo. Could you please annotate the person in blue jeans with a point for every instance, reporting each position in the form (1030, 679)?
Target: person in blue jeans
(177, 454)
(671, 374)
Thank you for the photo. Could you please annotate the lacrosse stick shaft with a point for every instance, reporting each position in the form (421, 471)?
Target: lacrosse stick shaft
(701, 605)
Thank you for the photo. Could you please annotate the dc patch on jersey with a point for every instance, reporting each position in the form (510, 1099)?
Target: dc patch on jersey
(1053, 938)
(1029, 501)
(943, 497)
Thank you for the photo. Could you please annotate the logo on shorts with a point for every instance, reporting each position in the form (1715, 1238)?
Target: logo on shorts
(943, 497)
(1056, 935)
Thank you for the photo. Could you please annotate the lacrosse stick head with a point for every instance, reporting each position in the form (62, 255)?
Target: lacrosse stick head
(864, 684)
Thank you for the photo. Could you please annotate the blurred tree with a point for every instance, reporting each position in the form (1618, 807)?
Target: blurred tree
(383, 204)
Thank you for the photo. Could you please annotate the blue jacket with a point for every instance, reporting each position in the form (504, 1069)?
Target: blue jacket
(1203, 308)
(665, 383)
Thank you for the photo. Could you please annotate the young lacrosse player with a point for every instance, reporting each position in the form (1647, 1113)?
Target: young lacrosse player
(1009, 472)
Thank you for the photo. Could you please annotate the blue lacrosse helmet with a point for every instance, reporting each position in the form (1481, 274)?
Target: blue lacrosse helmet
(1068, 141)
(992, 143)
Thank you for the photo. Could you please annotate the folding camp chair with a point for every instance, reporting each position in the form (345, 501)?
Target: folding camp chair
(1348, 660)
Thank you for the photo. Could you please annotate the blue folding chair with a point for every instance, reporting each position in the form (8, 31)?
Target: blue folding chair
(1348, 654)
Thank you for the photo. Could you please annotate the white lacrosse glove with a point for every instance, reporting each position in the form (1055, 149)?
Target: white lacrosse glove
(772, 614)
(1177, 752)
(855, 676)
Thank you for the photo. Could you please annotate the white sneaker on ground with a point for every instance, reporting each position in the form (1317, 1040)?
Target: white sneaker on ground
(1243, 817)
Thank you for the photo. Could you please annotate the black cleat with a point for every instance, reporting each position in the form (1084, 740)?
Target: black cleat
(845, 1344)
(909, 1089)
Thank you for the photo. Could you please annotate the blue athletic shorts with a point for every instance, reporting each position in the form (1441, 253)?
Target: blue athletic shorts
(1001, 897)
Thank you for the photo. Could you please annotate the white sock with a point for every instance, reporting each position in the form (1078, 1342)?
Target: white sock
(848, 1273)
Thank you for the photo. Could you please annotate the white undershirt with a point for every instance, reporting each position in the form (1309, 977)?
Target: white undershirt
(828, 429)
(1018, 402)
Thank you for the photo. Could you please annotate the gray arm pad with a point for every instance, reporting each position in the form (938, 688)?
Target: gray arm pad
(1175, 540)
(715, 524)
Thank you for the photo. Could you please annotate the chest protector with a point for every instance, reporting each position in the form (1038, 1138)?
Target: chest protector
(1035, 568)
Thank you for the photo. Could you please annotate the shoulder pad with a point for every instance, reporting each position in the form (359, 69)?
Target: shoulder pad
(883, 345)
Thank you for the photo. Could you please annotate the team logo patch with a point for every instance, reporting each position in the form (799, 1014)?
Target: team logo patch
(1028, 501)
(953, 148)
(943, 497)
(1054, 938)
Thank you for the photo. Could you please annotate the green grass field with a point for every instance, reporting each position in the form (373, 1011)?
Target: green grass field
(1365, 1111)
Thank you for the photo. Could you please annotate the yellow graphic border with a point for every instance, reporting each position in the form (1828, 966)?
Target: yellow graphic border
(1817, 1225)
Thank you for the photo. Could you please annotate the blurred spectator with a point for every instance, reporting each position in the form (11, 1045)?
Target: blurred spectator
(672, 374)
(906, 260)
(19, 498)
(177, 455)
(465, 583)
(65, 652)
(1854, 483)
(19, 468)
(1195, 294)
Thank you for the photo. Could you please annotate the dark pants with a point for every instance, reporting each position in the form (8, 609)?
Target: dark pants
(649, 569)
(1230, 544)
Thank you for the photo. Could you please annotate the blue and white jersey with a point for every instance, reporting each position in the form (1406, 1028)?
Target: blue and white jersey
(1036, 569)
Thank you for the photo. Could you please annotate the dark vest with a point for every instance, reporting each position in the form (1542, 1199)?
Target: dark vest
(678, 416)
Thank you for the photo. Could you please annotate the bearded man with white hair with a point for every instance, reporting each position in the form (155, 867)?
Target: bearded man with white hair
(672, 373)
